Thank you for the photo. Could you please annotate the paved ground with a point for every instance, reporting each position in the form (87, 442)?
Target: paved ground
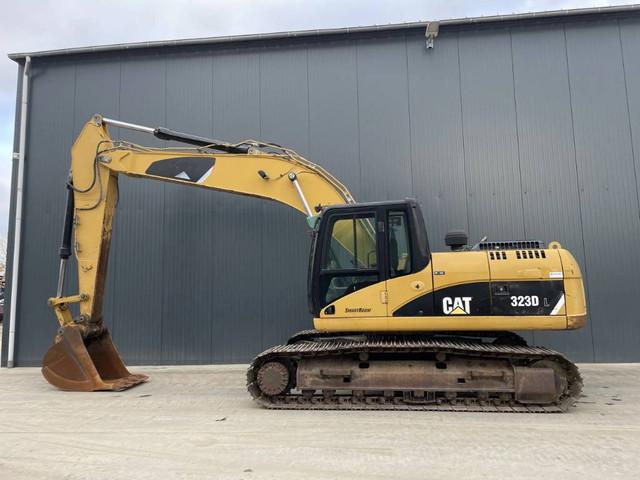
(198, 422)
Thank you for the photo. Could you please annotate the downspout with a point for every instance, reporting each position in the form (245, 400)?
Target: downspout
(15, 266)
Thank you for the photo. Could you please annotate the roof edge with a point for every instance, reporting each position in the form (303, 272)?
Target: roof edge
(329, 31)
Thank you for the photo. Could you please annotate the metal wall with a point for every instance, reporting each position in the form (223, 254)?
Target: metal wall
(512, 131)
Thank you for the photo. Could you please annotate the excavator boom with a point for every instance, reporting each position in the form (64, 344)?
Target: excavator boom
(83, 357)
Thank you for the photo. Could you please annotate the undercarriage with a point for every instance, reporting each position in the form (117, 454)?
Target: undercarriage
(459, 372)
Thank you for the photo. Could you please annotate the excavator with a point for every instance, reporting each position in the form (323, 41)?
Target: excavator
(397, 326)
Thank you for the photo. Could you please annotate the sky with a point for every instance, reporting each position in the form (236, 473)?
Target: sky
(31, 25)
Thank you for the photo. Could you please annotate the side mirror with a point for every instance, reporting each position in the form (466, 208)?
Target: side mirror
(456, 239)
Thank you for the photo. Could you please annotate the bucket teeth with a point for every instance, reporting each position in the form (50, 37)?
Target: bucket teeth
(75, 364)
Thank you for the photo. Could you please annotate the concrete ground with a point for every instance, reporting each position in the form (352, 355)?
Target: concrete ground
(199, 422)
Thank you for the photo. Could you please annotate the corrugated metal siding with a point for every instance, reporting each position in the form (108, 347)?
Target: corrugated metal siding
(608, 191)
(490, 137)
(630, 42)
(547, 154)
(511, 132)
(437, 146)
(236, 312)
(50, 136)
(383, 110)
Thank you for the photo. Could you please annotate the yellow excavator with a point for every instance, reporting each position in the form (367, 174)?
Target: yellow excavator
(397, 326)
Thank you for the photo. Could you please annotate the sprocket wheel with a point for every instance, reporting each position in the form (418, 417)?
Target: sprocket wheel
(273, 378)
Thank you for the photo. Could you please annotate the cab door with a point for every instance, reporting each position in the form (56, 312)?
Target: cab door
(351, 280)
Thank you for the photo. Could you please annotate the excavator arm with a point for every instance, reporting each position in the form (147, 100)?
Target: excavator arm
(83, 357)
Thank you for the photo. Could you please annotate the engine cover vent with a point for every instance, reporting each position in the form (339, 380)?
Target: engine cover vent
(498, 255)
(524, 254)
(512, 245)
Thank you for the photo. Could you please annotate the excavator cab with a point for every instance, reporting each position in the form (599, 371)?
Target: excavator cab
(357, 246)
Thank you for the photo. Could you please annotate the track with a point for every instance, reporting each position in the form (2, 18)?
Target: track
(311, 344)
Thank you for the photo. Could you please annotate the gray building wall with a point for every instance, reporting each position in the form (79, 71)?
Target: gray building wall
(510, 130)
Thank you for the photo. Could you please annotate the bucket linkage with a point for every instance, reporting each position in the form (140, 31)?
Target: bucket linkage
(83, 357)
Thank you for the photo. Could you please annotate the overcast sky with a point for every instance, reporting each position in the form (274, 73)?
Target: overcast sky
(30, 25)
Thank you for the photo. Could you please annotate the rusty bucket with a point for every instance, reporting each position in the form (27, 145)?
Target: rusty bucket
(85, 365)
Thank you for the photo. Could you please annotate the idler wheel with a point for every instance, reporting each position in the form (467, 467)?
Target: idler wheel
(273, 378)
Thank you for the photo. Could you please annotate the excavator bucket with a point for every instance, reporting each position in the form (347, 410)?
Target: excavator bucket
(86, 365)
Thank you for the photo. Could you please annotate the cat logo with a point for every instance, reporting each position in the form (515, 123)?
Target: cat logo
(456, 305)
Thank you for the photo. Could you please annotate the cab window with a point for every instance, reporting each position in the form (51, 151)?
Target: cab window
(399, 244)
(350, 257)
